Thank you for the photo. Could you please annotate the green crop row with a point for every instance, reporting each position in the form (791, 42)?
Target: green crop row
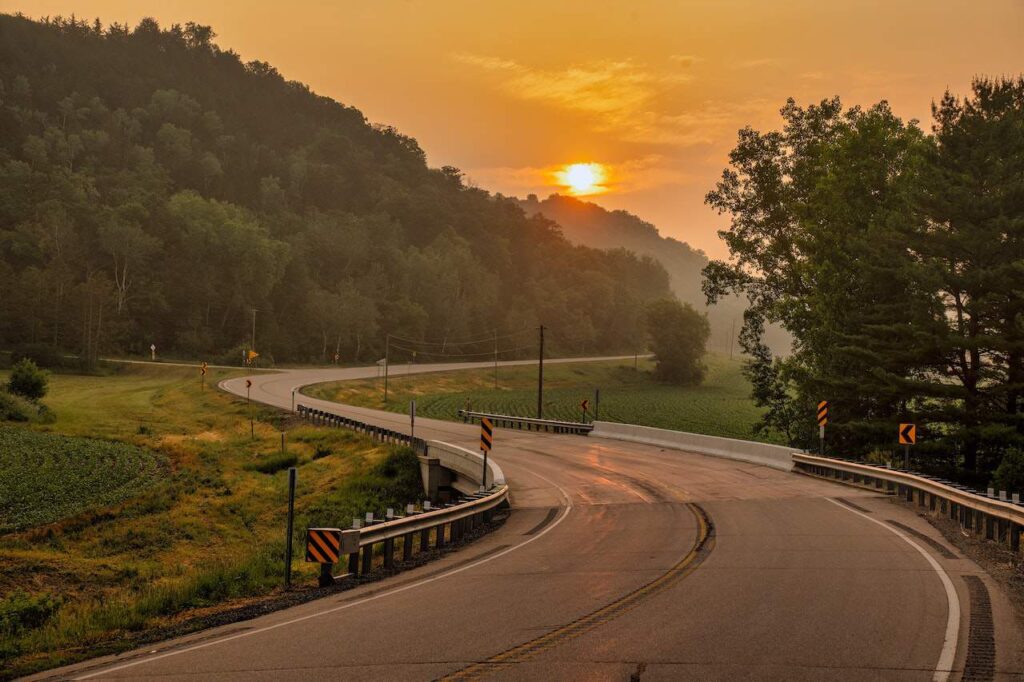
(45, 477)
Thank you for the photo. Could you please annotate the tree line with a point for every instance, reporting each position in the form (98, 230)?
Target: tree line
(895, 258)
(156, 189)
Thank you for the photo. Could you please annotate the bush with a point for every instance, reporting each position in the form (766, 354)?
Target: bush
(22, 611)
(273, 464)
(1009, 475)
(679, 336)
(27, 380)
(14, 408)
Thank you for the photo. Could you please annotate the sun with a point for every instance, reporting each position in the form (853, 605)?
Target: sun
(583, 178)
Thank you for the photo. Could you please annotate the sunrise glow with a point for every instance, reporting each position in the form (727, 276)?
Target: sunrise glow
(582, 179)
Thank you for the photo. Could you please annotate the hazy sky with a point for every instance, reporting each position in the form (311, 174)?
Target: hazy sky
(510, 91)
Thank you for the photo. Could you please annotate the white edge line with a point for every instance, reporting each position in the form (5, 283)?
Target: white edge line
(446, 574)
(944, 666)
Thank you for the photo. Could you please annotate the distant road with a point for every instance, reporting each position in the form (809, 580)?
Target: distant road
(601, 573)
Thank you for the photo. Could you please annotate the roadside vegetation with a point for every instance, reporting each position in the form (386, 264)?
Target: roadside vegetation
(721, 406)
(143, 504)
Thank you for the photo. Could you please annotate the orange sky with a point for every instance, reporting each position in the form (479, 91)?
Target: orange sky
(508, 91)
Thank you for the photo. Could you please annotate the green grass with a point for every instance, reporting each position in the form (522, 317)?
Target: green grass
(721, 406)
(46, 477)
(172, 509)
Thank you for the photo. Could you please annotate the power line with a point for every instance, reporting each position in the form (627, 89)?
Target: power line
(462, 342)
(488, 353)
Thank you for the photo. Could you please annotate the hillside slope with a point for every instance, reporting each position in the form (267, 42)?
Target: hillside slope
(587, 223)
(156, 189)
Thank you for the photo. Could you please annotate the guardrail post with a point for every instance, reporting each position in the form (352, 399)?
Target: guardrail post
(367, 559)
(440, 541)
(1015, 537)
(389, 553)
(424, 539)
(407, 547)
(326, 576)
(990, 527)
(353, 563)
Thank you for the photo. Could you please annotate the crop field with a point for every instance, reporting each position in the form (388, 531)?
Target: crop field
(145, 504)
(46, 477)
(721, 406)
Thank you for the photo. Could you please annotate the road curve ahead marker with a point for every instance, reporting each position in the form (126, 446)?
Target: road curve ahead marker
(908, 434)
(823, 413)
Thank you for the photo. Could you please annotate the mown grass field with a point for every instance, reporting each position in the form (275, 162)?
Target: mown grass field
(721, 406)
(176, 514)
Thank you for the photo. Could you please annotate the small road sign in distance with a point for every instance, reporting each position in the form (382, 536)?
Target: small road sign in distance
(908, 434)
(486, 434)
(823, 413)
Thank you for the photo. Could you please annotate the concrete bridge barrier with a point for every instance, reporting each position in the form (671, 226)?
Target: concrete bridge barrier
(774, 456)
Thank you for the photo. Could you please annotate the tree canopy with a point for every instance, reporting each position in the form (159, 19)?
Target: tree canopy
(156, 189)
(895, 260)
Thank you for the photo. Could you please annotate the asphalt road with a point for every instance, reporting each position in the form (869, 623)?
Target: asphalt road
(625, 562)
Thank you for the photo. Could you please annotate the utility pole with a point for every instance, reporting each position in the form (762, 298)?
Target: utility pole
(732, 337)
(254, 311)
(387, 362)
(540, 377)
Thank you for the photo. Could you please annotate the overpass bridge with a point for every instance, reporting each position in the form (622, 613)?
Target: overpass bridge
(624, 560)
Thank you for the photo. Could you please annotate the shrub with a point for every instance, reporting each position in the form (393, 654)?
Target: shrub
(28, 380)
(22, 611)
(1009, 475)
(273, 464)
(15, 408)
(679, 336)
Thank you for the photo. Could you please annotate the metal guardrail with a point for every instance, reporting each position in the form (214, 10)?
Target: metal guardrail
(378, 433)
(1001, 520)
(446, 524)
(529, 423)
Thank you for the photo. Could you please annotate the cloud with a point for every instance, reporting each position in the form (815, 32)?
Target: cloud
(602, 87)
(757, 63)
(685, 60)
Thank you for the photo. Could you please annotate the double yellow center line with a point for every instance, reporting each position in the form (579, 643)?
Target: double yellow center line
(702, 546)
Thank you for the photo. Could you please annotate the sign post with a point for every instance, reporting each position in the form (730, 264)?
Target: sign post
(412, 418)
(292, 473)
(822, 421)
(248, 405)
(486, 442)
(152, 352)
(202, 376)
(908, 437)
(584, 404)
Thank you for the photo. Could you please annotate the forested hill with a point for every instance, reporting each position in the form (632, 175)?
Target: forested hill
(156, 189)
(587, 223)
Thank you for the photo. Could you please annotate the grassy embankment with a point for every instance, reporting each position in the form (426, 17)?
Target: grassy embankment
(721, 406)
(154, 506)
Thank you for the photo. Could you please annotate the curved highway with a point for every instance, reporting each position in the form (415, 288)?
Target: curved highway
(627, 562)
